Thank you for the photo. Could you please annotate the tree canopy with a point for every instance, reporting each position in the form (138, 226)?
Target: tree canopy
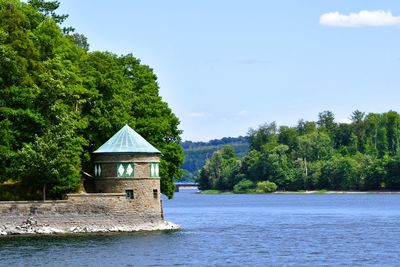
(361, 155)
(59, 102)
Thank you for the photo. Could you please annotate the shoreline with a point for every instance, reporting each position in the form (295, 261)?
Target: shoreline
(316, 192)
(306, 192)
(32, 227)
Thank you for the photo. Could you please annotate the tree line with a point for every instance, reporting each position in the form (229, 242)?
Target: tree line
(361, 155)
(196, 153)
(59, 102)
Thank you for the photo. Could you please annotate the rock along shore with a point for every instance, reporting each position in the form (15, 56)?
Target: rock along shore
(32, 226)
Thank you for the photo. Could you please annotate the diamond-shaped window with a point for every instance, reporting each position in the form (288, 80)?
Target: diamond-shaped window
(97, 170)
(157, 170)
(121, 170)
(129, 170)
(154, 169)
(125, 169)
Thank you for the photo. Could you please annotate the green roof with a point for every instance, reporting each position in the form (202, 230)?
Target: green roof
(127, 140)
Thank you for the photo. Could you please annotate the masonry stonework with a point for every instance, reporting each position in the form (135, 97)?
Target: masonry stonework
(114, 200)
(95, 210)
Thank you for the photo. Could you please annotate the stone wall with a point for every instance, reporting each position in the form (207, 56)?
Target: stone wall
(142, 189)
(79, 210)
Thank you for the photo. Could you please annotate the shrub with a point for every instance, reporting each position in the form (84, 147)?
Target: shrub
(244, 186)
(266, 187)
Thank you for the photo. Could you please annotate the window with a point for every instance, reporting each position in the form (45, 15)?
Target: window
(97, 170)
(125, 169)
(129, 194)
(154, 170)
(155, 193)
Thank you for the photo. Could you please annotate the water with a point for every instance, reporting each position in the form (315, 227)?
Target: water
(236, 230)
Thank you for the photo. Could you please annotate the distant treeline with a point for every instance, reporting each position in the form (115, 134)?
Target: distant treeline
(196, 153)
(361, 155)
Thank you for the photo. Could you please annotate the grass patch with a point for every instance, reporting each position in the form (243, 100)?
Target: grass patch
(211, 192)
(322, 191)
(214, 192)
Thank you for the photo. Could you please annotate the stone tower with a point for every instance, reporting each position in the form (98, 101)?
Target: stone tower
(128, 164)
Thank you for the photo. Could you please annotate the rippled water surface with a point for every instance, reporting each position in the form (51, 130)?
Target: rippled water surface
(237, 230)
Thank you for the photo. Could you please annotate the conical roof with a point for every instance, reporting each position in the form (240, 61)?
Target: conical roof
(127, 140)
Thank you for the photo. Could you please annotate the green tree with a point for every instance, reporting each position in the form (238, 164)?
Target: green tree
(288, 136)
(392, 119)
(306, 127)
(47, 74)
(315, 146)
(326, 120)
(252, 166)
(358, 119)
(52, 161)
(266, 133)
(221, 170)
(278, 167)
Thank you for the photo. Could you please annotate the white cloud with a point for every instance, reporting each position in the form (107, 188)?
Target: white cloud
(363, 18)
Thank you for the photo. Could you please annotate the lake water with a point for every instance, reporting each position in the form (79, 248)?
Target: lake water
(237, 230)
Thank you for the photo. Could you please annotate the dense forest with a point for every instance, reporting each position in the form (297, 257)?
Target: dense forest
(361, 155)
(59, 102)
(196, 153)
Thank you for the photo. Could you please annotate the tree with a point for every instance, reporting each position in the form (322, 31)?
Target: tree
(266, 133)
(277, 166)
(48, 9)
(221, 170)
(47, 74)
(252, 166)
(52, 161)
(345, 139)
(392, 119)
(357, 118)
(315, 146)
(305, 127)
(288, 136)
(326, 120)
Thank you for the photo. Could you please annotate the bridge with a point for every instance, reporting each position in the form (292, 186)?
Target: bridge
(186, 186)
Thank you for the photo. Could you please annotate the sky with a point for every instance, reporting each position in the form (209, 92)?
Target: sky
(225, 66)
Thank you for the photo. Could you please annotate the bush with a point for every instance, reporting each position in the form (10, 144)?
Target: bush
(244, 186)
(266, 187)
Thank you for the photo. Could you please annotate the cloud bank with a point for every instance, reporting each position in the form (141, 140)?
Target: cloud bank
(363, 18)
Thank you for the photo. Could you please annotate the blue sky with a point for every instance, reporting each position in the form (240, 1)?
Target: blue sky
(225, 66)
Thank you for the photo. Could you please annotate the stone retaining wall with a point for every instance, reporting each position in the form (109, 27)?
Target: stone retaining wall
(82, 210)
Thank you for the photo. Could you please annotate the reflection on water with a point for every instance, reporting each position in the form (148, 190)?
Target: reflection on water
(233, 230)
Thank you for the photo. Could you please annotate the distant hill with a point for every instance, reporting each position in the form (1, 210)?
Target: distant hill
(196, 153)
